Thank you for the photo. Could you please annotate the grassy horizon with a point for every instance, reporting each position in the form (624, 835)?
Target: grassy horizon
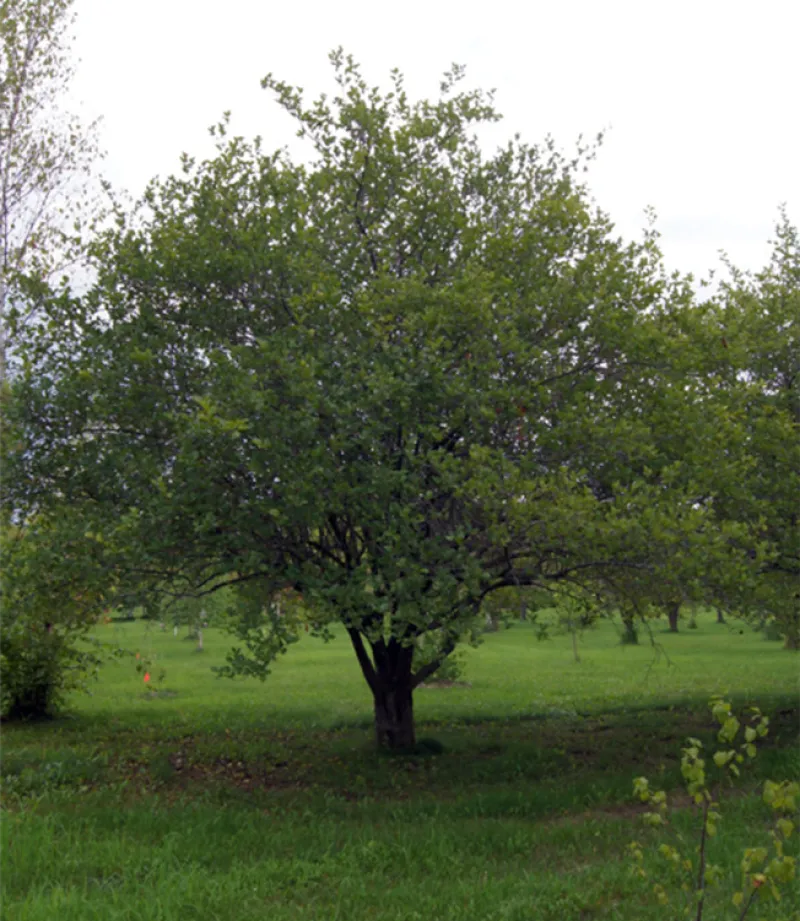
(510, 674)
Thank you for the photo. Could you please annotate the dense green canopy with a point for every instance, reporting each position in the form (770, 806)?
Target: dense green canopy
(758, 318)
(396, 379)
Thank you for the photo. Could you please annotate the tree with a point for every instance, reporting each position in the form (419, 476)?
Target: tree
(758, 321)
(397, 379)
(197, 613)
(45, 157)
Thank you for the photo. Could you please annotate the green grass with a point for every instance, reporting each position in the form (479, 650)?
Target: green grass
(240, 800)
(512, 675)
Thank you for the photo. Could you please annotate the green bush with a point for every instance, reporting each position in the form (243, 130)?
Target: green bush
(30, 672)
(689, 871)
(44, 647)
(38, 664)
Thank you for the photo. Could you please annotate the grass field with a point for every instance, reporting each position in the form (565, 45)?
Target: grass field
(237, 800)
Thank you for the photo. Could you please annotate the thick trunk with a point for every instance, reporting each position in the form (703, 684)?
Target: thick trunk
(394, 717)
(389, 676)
(672, 615)
(720, 616)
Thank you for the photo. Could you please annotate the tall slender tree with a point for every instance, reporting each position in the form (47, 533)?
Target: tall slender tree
(46, 156)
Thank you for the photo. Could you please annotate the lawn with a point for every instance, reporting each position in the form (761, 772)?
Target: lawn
(237, 800)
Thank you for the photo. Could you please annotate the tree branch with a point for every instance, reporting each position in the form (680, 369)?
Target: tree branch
(427, 670)
(364, 661)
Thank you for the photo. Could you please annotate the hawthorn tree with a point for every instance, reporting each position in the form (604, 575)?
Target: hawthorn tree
(396, 379)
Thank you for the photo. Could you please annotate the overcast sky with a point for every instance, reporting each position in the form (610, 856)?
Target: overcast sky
(700, 98)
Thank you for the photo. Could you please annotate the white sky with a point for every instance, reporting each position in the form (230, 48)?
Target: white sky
(701, 97)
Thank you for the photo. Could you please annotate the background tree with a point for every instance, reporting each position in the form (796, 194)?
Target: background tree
(758, 321)
(398, 379)
(198, 613)
(46, 157)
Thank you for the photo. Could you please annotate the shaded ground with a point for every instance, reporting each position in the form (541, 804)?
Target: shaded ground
(543, 752)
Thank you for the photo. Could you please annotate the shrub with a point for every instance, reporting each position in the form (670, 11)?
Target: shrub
(764, 869)
(39, 663)
(44, 648)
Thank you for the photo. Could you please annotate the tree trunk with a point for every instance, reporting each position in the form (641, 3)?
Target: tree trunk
(394, 717)
(3, 347)
(199, 639)
(574, 633)
(672, 615)
(630, 635)
(720, 616)
(389, 675)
